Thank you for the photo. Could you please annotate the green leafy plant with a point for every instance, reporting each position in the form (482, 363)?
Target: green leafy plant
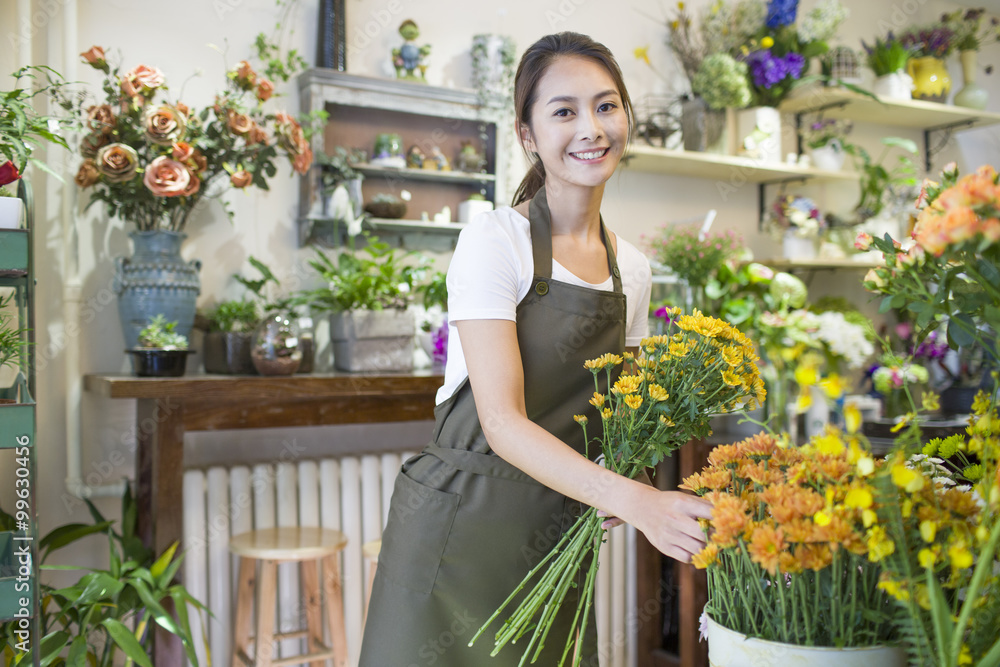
(373, 278)
(258, 287)
(12, 340)
(722, 82)
(336, 168)
(878, 180)
(886, 56)
(160, 335)
(108, 612)
(434, 291)
(236, 316)
(22, 129)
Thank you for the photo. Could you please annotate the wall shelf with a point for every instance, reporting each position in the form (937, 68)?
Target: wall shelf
(930, 117)
(818, 264)
(424, 174)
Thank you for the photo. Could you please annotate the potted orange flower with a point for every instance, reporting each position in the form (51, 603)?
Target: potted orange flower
(150, 159)
(793, 541)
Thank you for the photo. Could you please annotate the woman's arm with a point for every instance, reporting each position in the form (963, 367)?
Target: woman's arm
(668, 519)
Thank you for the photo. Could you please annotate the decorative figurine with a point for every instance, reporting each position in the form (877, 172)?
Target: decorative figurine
(415, 158)
(438, 158)
(469, 159)
(409, 58)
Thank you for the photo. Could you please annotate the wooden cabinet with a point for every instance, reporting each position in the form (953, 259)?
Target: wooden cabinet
(425, 116)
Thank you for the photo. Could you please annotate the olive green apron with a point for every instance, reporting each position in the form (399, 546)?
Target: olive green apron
(465, 526)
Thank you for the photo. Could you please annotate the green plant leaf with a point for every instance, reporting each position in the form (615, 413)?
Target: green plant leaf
(157, 568)
(77, 656)
(899, 142)
(64, 535)
(959, 335)
(126, 641)
(51, 646)
(941, 618)
(182, 616)
(98, 586)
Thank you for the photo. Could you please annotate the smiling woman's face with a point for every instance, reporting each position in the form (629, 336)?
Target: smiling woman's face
(579, 127)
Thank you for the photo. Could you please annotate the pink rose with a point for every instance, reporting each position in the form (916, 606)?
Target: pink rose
(92, 143)
(240, 179)
(873, 282)
(302, 161)
(863, 242)
(245, 75)
(164, 125)
(141, 80)
(167, 178)
(193, 186)
(239, 123)
(257, 135)
(183, 108)
(100, 118)
(914, 256)
(181, 151)
(200, 161)
(265, 89)
(94, 57)
(117, 162)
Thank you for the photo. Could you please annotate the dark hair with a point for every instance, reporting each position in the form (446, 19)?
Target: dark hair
(534, 63)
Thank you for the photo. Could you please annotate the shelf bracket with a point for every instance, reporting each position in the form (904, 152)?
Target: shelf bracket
(762, 191)
(948, 129)
(805, 112)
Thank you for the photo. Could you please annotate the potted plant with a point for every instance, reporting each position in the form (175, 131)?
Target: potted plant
(929, 47)
(792, 555)
(227, 341)
(720, 83)
(367, 296)
(825, 137)
(162, 352)
(22, 129)
(149, 159)
(695, 257)
(887, 58)
(12, 347)
(970, 35)
(883, 185)
(433, 334)
(799, 222)
(109, 614)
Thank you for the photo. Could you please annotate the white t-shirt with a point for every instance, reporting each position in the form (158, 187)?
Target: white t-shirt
(491, 272)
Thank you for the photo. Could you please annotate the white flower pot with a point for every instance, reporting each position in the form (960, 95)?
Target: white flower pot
(818, 414)
(758, 130)
(796, 247)
(732, 649)
(895, 86)
(11, 210)
(829, 157)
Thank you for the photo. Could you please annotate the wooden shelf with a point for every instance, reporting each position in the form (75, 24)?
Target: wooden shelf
(425, 174)
(919, 114)
(710, 165)
(785, 264)
(416, 226)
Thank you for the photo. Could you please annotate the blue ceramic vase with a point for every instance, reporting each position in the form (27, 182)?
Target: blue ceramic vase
(154, 280)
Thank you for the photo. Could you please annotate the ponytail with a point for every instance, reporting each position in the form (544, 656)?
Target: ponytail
(532, 182)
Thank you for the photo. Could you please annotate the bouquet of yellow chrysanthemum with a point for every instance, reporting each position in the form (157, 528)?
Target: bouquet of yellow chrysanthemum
(791, 541)
(940, 540)
(701, 367)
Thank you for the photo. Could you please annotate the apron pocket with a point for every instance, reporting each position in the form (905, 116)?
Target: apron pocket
(420, 519)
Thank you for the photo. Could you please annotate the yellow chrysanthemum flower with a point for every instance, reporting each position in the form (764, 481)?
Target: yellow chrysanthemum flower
(973, 473)
(879, 544)
(597, 400)
(658, 393)
(627, 384)
(732, 355)
(580, 419)
(606, 413)
(633, 401)
(895, 589)
(678, 349)
(604, 361)
(666, 421)
(731, 378)
(930, 401)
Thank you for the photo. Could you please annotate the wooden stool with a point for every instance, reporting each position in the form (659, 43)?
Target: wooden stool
(269, 547)
(370, 550)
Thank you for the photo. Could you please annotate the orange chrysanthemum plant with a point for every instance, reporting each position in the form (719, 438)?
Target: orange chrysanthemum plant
(791, 541)
(701, 367)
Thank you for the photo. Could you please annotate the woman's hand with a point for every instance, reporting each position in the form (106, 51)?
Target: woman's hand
(669, 520)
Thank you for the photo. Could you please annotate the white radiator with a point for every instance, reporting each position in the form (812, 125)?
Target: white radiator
(349, 494)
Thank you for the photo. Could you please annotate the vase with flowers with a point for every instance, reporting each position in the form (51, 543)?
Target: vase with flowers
(791, 556)
(695, 256)
(887, 59)
(970, 36)
(929, 46)
(825, 137)
(798, 221)
(151, 160)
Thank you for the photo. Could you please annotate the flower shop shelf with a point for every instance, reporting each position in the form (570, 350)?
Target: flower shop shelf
(817, 264)
(426, 117)
(408, 174)
(927, 116)
(710, 165)
(434, 236)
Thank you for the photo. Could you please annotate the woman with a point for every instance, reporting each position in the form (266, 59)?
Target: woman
(534, 291)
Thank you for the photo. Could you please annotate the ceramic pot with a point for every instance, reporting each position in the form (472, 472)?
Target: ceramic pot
(155, 280)
(702, 129)
(758, 131)
(148, 362)
(307, 344)
(930, 78)
(733, 649)
(972, 95)
(227, 353)
(796, 247)
(372, 340)
(895, 86)
(11, 210)
(829, 157)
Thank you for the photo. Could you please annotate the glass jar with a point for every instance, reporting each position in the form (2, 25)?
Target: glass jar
(276, 346)
(307, 343)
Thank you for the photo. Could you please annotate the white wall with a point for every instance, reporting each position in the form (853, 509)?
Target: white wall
(175, 37)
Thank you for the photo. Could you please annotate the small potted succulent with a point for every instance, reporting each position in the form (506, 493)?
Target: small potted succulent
(227, 343)
(367, 294)
(162, 352)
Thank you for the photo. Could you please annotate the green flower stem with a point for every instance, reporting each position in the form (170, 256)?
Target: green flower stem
(851, 622)
(588, 601)
(983, 569)
(552, 607)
